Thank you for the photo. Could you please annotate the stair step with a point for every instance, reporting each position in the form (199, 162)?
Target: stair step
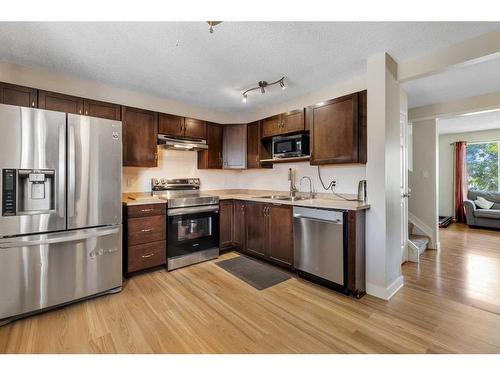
(420, 242)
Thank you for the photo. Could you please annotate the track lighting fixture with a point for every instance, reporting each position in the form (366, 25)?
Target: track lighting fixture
(262, 86)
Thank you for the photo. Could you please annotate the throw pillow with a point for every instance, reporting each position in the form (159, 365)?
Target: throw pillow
(483, 203)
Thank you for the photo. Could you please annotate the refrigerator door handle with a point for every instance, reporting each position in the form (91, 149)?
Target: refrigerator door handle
(61, 184)
(71, 171)
(81, 235)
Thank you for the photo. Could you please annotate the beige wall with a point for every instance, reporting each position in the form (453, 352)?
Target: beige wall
(51, 81)
(423, 179)
(446, 164)
(383, 172)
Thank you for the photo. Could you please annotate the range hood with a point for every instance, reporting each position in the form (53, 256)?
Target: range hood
(181, 144)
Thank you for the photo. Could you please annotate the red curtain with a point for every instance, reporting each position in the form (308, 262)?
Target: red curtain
(460, 180)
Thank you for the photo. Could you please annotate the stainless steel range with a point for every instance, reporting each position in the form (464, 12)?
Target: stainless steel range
(193, 221)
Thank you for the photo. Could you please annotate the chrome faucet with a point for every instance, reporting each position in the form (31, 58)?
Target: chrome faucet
(291, 178)
(312, 193)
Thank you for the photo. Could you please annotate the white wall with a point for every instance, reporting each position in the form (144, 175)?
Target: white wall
(423, 179)
(172, 164)
(383, 172)
(446, 164)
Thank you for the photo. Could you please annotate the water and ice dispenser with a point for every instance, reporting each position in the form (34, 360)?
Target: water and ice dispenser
(27, 191)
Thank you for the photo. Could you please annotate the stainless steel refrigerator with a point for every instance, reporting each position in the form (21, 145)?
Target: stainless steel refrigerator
(60, 225)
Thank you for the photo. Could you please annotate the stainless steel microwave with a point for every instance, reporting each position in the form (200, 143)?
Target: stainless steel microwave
(291, 146)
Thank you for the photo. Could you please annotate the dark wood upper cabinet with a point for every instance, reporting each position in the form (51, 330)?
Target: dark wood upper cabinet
(226, 215)
(284, 123)
(60, 102)
(338, 130)
(18, 95)
(362, 125)
(271, 126)
(171, 125)
(234, 147)
(256, 151)
(177, 126)
(280, 235)
(105, 110)
(194, 128)
(239, 225)
(256, 231)
(293, 121)
(212, 158)
(140, 133)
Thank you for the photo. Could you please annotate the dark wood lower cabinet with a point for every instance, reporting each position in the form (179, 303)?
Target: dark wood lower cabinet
(255, 231)
(280, 235)
(239, 225)
(226, 219)
(269, 232)
(356, 255)
(144, 237)
(145, 256)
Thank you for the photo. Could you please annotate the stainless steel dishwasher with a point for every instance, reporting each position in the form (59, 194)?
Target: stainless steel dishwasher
(320, 247)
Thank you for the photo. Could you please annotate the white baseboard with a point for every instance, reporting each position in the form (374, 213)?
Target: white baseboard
(385, 293)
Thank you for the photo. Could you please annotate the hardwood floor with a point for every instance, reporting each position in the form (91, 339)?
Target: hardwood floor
(203, 309)
(466, 269)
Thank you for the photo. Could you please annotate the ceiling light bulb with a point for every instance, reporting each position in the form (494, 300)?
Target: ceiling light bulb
(244, 98)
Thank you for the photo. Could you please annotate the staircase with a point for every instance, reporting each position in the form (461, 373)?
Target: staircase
(419, 242)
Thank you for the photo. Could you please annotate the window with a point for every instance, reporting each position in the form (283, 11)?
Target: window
(482, 166)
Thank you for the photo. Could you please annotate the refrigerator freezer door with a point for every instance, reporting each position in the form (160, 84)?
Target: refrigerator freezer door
(94, 172)
(32, 141)
(42, 271)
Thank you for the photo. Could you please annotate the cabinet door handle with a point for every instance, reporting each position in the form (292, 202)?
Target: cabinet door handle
(147, 255)
(147, 230)
(146, 210)
(79, 111)
(86, 112)
(33, 103)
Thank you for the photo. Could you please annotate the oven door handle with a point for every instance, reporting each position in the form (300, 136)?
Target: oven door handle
(192, 210)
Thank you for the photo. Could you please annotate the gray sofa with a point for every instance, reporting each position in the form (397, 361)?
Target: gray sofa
(478, 217)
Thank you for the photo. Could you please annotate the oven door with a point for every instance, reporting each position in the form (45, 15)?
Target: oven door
(193, 235)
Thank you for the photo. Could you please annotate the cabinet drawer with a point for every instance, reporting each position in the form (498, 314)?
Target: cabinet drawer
(146, 229)
(147, 210)
(145, 256)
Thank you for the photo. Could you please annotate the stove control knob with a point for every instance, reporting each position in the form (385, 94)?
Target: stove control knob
(163, 181)
(155, 182)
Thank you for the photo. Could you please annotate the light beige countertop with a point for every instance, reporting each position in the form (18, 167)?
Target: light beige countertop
(326, 201)
(132, 199)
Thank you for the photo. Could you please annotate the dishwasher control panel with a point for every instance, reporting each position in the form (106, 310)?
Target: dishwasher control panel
(336, 217)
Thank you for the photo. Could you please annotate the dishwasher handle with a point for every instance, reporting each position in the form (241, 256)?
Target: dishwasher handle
(333, 221)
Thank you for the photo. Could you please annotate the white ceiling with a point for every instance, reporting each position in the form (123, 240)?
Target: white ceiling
(454, 84)
(211, 70)
(470, 123)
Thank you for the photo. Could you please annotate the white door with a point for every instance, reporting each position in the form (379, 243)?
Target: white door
(403, 144)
